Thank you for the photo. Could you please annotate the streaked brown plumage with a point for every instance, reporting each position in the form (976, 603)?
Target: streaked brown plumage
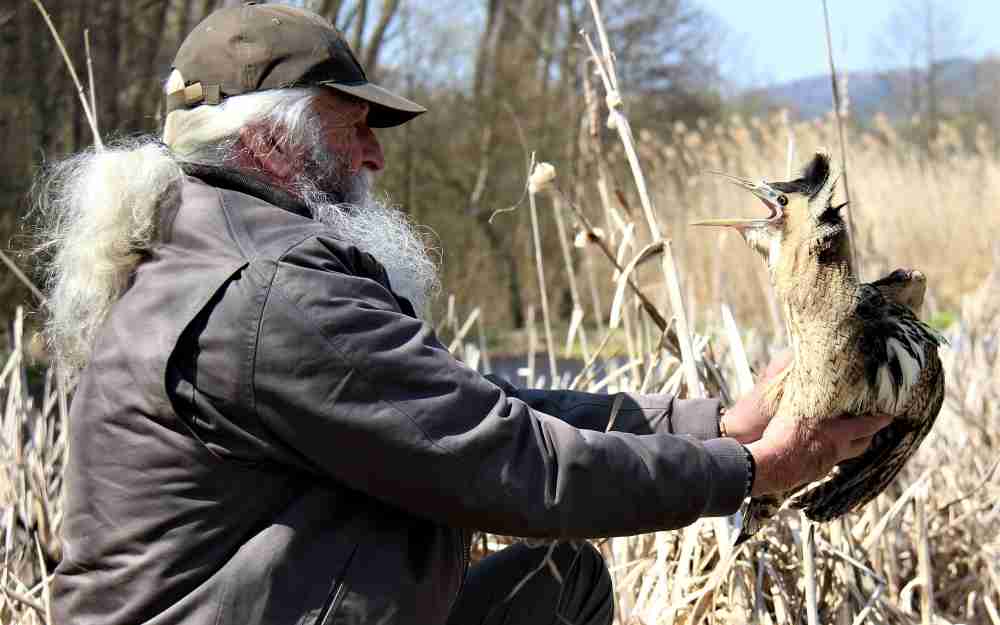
(858, 348)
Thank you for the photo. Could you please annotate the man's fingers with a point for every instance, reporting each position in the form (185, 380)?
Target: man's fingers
(790, 453)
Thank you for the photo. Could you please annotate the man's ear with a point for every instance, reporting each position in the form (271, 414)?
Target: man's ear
(267, 152)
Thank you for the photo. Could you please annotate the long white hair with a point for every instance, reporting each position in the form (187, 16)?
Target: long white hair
(98, 210)
(98, 215)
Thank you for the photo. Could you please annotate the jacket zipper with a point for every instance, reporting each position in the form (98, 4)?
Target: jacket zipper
(332, 604)
(466, 546)
(333, 601)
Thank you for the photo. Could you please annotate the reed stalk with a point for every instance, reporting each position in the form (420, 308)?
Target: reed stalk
(838, 110)
(578, 313)
(88, 112)
(606, 68)
(550, 346)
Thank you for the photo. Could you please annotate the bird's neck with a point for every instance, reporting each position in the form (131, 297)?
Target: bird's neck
(817, 286)
(817, 306)
(823, 294)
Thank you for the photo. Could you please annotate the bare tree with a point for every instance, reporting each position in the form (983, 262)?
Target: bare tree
(524, 93)
(921, 36)
(986, 97)
(379, 33)
(505, 81)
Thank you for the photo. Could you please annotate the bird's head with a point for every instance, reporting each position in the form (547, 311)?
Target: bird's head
(905, 287)
(802, 225)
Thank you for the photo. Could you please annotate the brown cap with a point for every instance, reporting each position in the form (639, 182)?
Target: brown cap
(256, 47)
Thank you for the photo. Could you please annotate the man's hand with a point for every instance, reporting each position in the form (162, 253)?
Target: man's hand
(791, 452)
(746, 420)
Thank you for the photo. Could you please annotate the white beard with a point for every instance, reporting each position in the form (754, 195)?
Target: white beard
(383, 231)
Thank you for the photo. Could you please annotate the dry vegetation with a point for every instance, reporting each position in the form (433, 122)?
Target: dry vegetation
(927, 550)
(936, 211)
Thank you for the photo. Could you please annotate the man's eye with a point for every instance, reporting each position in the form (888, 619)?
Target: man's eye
(783, 200)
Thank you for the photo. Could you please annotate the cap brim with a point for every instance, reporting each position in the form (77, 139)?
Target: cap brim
(388, 109)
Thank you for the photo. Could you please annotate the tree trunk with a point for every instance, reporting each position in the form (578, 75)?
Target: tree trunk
(331, 10)
(486, 53)
(110, 75)
(358, 40)
(148, 35)
(207, 6)
(509, 261)
(183, 19)
(79, 137)
(377, 38)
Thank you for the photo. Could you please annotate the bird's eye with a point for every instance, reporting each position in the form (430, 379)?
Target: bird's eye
(783, 200)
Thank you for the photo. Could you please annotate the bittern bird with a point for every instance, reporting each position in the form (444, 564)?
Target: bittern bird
(857, 348)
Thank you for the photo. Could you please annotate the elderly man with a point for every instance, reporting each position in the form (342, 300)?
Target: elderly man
(264, 431)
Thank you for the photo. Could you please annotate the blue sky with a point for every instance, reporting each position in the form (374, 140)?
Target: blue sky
(781, 40)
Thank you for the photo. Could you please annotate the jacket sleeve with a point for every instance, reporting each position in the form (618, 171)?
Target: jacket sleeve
(637, 413)
(371, 399)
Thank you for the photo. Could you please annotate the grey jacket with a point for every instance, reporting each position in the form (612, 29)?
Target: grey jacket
(265, 434)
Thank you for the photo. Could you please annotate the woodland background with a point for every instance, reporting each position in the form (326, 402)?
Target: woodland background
(501, 78)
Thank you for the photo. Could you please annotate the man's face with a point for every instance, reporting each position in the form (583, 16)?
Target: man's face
(347, 145)
(340, 165)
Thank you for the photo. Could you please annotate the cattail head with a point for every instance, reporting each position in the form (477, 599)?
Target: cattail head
(541, 177)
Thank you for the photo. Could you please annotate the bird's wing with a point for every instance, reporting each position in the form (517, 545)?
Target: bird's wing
(896, 347)
(903, 377)
(857, 481)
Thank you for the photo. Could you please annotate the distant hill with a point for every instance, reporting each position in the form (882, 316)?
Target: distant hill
(869, 92)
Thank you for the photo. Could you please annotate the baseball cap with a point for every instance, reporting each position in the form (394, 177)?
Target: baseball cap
(256, 47)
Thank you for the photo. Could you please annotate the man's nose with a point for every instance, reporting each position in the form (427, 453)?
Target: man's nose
(371, 155)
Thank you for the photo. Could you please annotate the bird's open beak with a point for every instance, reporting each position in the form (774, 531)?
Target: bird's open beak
(767, 194)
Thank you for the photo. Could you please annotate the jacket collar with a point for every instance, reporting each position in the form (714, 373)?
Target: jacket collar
(235, 180)
(243, 182)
